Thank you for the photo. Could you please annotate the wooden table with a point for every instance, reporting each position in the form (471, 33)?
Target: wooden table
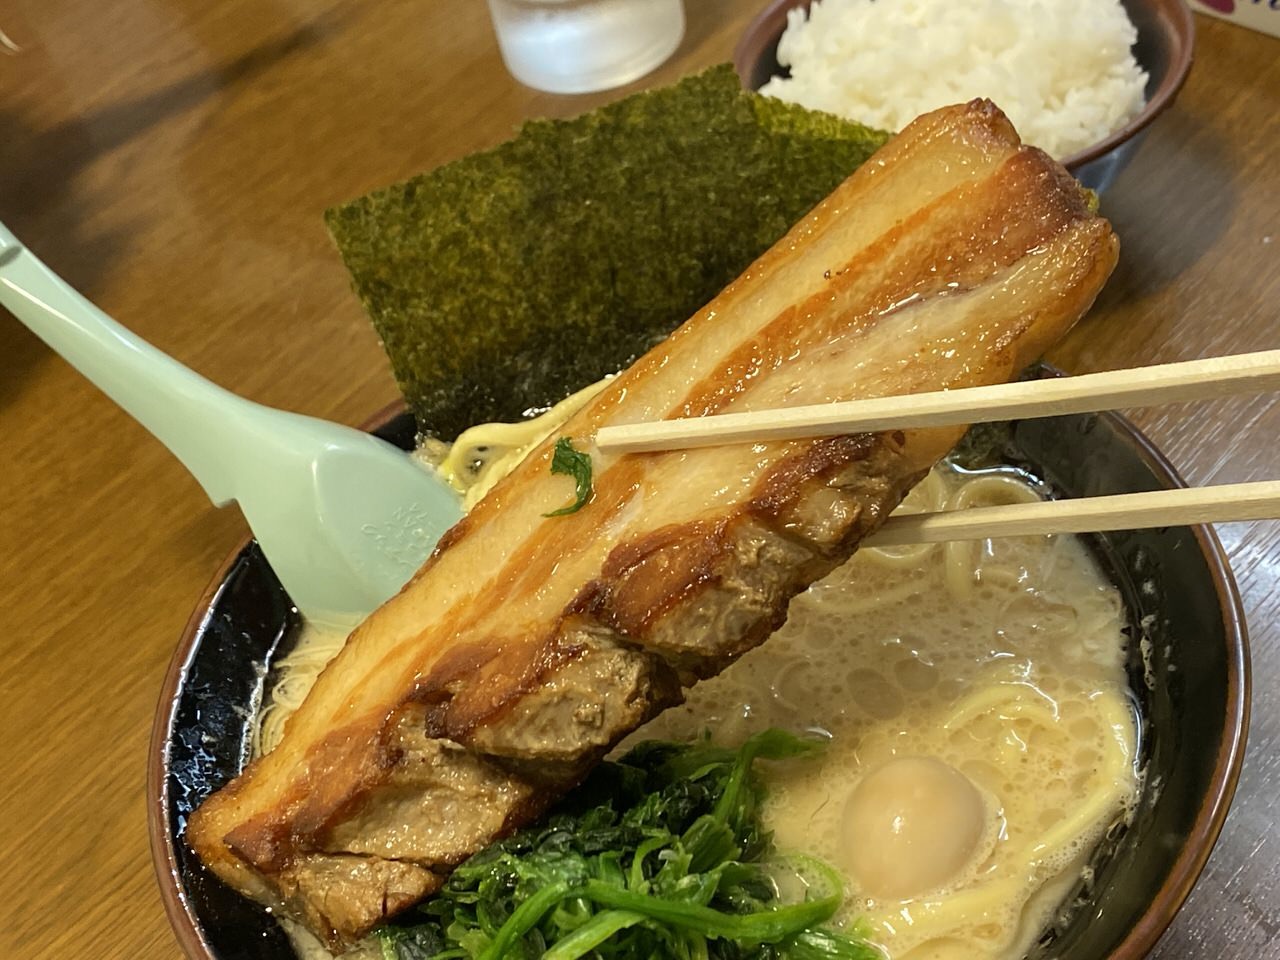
(171, 159)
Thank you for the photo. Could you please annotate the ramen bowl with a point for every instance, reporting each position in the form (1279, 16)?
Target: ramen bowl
(1187, 637)
(1165, 49)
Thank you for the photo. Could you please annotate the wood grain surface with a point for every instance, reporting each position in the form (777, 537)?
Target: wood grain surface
(171, 158)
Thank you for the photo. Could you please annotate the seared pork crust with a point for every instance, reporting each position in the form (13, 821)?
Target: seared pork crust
(527, 647)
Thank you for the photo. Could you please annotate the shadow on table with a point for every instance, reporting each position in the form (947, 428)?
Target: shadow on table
(702, 17)
(39, 166)
(37, 173)
(1170, 207)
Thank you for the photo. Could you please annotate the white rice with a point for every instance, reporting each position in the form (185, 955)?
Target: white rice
(1062, 70)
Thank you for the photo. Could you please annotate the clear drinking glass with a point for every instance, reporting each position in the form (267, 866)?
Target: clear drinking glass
(576, 46)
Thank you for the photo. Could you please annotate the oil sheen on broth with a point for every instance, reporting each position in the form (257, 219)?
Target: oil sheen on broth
(981, 732)
(980, 728)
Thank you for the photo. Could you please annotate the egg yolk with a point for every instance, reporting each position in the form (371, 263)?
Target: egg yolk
(911, 825)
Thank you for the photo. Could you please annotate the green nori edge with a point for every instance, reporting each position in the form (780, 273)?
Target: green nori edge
(502, 281)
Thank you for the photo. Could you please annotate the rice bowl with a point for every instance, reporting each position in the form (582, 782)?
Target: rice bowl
(1064, 73)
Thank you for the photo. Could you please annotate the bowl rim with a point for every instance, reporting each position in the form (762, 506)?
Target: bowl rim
(750, 47)
(1199, 841)
(1196, 845)
(164, 861)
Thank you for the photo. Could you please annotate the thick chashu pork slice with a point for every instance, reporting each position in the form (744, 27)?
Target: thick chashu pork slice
(526, 646)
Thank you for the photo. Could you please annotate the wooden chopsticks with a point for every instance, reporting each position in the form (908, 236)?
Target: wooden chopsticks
(1127, 511)
(1138, 387)
(1141, 386)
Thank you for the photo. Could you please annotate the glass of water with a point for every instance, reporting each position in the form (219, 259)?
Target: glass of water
(576, 46)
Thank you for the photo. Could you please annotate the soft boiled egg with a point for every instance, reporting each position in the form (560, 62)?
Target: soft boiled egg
(911, 826)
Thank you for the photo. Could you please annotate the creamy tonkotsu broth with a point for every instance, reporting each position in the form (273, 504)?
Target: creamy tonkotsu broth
(981, 732)
(980, 727)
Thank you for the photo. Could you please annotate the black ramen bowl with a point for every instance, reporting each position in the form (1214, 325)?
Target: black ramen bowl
(1165, 49)
(1175, 581)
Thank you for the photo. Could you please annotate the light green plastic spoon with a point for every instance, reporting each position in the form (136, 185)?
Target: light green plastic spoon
(343, 517)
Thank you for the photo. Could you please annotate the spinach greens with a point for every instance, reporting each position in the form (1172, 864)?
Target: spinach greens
(659, 855)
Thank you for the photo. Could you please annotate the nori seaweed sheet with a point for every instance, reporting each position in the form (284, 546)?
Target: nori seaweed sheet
(505, 280)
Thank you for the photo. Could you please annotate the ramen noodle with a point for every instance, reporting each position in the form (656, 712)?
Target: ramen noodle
(981, 733)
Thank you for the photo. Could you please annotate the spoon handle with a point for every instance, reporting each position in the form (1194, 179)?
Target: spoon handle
(183, 410)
